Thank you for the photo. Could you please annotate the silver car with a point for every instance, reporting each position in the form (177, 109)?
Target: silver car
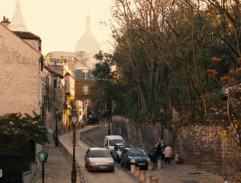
(99, 159)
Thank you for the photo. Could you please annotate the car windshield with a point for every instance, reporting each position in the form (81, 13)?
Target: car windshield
(136, 152)
(114, 142)
(124, 146)
(99, 153)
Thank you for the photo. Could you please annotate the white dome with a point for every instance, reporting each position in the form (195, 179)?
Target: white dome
(88, 42)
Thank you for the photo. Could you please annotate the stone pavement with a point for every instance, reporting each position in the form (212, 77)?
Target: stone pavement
(58, 167)
(59, 164)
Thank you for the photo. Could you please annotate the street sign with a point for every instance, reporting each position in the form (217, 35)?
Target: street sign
(42, 156)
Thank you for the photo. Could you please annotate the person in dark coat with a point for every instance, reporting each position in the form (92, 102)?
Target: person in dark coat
(160, 150)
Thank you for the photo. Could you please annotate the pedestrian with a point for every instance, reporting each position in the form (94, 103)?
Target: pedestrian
(159, 150)
(168, 154)
(155, 145)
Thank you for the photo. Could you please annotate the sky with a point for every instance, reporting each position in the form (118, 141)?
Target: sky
(60, 23)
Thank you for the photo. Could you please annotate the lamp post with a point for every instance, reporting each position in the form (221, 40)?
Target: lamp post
(162, 123)
(110, 120)
(56, 127)
(73, 172)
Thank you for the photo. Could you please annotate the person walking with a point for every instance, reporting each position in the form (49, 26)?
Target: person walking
(168, 154)
(159, 150)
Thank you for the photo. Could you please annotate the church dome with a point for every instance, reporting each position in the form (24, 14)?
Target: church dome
(88, 42)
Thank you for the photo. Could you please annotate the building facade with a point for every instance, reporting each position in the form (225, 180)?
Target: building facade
(58, 89)
(20, 65)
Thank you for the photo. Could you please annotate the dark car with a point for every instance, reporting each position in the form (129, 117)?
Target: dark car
(91, 121)
(118, 148)
(152, 154)
(134, 156)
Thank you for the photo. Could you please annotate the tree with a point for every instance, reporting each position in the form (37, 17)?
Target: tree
(19, 129)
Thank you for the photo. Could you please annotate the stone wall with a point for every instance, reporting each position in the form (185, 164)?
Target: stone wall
(20, 75)
(140, 134)
(200, 146)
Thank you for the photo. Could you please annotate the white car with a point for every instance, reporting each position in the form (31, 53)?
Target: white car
(99, 159)
(111, 140)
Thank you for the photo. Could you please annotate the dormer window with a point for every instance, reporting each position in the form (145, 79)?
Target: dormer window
(85, 74)
(56, 83)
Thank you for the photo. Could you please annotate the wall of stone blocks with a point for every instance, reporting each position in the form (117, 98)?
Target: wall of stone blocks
(197, 145)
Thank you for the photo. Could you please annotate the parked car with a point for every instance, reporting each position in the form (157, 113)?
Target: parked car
(118, 148)
(134, 156)
(111, 140)
(92, 120)
(99, 159)
(152, 154)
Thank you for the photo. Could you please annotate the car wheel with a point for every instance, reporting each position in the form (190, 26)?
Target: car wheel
(113, 169)
(128, 166)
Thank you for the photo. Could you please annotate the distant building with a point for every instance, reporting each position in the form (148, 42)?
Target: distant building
(81, 63)
(58, 92)
(84, 81)
(88, 44)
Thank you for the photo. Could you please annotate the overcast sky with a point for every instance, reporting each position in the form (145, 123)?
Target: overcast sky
(60, 23)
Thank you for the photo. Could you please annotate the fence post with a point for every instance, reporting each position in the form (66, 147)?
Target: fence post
(148, 178)
(159, 164)
(132, 169)
(137, 171)
(150, 166)
(142, 175)
(154, 180)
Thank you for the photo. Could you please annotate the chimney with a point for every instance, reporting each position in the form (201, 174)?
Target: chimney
(5, 22)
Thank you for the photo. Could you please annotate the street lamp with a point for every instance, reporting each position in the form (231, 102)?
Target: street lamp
(162, 123)
(110, 120)
(56, 127)
(73, 172)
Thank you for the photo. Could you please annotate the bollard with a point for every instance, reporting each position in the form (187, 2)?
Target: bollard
(78, 177)
(154, 180)
(132, 169)
(150, 166)
(142, 175)
(159, 164)
(137, 171)
(148, 178)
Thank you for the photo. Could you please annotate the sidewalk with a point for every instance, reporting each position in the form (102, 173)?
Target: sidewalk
(57, 168)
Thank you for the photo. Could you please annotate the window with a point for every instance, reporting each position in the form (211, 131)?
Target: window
(85, 74)
(56, 82)
(85, 89)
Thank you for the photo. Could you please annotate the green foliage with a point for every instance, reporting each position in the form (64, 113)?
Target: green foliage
(23, 128)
